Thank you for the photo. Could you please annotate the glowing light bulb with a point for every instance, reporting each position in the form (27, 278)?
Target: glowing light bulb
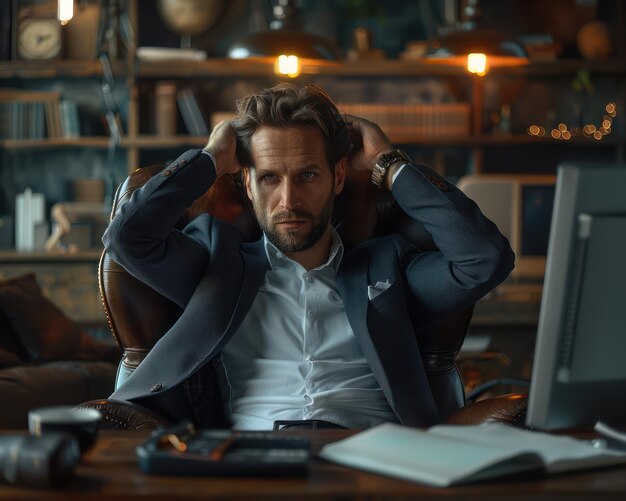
(65, 11)
(477, 64)
(287, 65)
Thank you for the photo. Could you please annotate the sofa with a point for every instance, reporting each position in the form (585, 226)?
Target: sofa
(45, 358)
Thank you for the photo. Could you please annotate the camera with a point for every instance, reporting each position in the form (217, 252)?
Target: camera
(46, 461)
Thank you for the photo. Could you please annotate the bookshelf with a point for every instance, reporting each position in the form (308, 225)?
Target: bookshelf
(133, 141)
(209, 80)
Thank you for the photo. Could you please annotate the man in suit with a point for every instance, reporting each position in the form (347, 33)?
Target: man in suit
(289, 328)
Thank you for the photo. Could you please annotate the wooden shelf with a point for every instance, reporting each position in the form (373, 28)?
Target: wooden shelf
(503, 140)
(42, 144)
(385, 68)
(149, 142)
(13, 256)
(563, 67)
(239, 68)
(156, 142)
(56, 69)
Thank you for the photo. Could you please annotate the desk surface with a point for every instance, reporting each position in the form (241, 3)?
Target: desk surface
(110, 470)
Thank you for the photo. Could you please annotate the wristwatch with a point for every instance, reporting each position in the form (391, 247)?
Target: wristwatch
(383, 163)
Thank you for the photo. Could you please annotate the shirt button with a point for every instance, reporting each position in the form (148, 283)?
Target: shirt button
(308, 279)
(279, 255)
(156, 387)
(311, 315)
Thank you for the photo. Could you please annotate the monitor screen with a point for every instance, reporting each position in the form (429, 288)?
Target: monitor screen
(579, 372)
(537, 202)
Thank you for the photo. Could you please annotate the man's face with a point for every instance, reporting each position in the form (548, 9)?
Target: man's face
(291, 185)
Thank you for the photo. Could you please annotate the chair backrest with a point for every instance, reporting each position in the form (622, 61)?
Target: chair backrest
(139, 316)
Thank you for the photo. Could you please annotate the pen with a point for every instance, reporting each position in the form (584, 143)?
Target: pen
(218, 452)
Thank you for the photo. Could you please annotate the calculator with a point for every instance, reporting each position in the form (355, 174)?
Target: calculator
(184, 450)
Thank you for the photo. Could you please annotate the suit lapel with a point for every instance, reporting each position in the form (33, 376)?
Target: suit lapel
(384, 332)
(255, 268)
(352, 287)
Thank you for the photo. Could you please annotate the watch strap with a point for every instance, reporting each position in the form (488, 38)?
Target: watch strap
(383, 163)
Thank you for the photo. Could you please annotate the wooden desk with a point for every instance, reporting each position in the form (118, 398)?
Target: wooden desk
(110, 471)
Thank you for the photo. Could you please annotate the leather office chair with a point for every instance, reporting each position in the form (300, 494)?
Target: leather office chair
(139, 316)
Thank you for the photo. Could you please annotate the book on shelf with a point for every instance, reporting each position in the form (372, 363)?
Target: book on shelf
(415, 119)
(70, 123)
(165, 108)
(191, 113)
(447, 455)
(27, 114)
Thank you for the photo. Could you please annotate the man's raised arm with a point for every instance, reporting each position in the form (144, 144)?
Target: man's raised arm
(473, 255)
(141, 236)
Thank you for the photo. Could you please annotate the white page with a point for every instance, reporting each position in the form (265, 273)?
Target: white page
(559, 453)
(421, 456)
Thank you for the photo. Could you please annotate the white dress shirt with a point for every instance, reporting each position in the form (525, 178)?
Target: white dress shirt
(295, 355)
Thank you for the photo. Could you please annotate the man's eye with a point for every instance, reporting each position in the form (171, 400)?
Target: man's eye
(268, 177)
(308, 174)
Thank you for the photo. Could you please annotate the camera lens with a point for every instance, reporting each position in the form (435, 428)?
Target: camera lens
(46, 461)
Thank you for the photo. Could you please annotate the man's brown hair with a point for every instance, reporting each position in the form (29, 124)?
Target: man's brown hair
(287, 105)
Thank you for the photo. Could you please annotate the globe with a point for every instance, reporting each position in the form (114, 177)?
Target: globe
(190, 17)
(594, 41)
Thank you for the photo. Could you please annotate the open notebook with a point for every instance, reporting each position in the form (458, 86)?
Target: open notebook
(447, 455)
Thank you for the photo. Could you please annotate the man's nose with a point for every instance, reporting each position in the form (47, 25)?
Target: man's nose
(289, 195)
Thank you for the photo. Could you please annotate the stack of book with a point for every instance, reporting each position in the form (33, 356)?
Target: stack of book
(30, 114)
(430, 120)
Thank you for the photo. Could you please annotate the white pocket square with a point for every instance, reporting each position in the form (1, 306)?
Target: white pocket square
(373, 291)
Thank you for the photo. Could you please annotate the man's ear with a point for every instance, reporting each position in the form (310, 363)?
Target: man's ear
(245, 173)
(340, 174)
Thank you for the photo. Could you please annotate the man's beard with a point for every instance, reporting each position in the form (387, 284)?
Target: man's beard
(293, 241)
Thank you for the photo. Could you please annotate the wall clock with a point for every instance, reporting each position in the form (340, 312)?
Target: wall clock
(39, 34)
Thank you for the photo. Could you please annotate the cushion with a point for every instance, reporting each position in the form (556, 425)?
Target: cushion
(11, 351)
(53, 383)
(42, 331)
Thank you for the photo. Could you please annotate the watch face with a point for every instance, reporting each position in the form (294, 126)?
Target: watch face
(39, 39)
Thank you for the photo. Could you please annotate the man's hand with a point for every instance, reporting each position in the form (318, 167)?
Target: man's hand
(223, 146)
(372, 143)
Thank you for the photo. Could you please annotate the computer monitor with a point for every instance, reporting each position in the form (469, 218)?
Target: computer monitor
(521, 207)
(579, 373)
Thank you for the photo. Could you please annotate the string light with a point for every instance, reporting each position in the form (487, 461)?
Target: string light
(561, 131)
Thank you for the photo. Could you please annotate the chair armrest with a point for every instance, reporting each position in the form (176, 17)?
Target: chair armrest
(505, 409)
(121, 415)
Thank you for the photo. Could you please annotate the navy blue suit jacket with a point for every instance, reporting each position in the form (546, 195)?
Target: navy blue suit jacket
(214, 276)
